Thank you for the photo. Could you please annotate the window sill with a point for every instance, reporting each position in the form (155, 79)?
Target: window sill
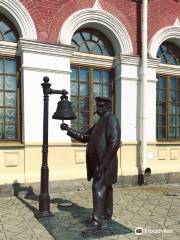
(11, 144)
(172, 142)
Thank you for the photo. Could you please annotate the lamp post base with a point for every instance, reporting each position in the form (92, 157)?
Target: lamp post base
(43, 214)
(44, 205)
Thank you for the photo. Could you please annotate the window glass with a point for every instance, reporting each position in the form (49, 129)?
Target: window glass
(173, 83)
(168, 95)
(73, 73)
(168, 108)
(84, 75)
(9, 89)
(86, 35)
(161, 120)
(87, 82)
(84, 103)
(83, 48)
(84, 90)
(10, 83)
(162, 82)
(10, 115)
(93, 42)
(1, 66)
(1, 82)
(161, 133)
(106, 77)
(83, 99)
(7, 31)
(10, 66)
(10, 131)
(162, 95)
(169, 53)
(173, 61)
(8, 109)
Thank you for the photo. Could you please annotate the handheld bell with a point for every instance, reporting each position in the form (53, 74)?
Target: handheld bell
(64, 109)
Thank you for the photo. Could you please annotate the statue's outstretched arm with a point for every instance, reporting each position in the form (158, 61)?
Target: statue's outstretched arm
(81, 137)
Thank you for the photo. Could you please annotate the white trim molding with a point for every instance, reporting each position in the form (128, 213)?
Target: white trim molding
(17, 13)
(127, 59)
(93, 60)
(168, 69)
(44, 57)
(97, 5)
(102, 21)
(177, 22)
(8, 48)
(172, 33)
(45, 48)
(134, 60)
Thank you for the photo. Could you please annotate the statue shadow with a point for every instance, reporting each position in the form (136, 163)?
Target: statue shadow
(70, 221)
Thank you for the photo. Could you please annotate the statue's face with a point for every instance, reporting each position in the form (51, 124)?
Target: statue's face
(101, 108)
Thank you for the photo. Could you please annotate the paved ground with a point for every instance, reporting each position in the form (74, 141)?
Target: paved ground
(154, 208)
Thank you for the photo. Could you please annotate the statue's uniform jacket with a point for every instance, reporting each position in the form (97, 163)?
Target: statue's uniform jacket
(103, 141)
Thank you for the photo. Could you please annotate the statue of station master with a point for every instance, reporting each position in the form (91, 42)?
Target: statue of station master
(103, 141)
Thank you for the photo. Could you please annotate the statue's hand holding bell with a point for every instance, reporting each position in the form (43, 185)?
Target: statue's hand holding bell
(64, 126)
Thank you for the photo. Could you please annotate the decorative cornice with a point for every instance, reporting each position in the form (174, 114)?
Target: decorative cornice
(136, 61)
(153, 62)
(93, 60)
(127, 59)
(127, 78)
(20, 16)
(168, 69)
(109, 62)
(23, 67)
(135, 79)
(8, 48)
(44, 48)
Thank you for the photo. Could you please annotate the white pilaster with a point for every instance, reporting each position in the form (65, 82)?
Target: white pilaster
(127, 92)
(39, 60)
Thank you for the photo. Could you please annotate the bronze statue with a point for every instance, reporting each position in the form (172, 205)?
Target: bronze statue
(103, 141)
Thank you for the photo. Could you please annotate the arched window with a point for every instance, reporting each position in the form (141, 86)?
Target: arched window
(9, 83)
(92, 42)
(168, 93)
(169, 53)
(92, 76)
(7, 31)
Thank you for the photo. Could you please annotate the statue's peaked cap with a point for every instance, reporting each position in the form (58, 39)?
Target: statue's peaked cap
(102, 99)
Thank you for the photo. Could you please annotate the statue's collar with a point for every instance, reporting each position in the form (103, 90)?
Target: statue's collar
(106, 114)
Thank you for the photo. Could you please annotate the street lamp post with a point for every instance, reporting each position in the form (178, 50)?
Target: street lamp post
(44, 198)
(63, 112)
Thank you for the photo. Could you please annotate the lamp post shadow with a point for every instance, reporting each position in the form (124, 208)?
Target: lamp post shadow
(70, 220)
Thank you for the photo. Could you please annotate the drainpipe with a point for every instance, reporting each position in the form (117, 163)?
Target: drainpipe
(143, 102)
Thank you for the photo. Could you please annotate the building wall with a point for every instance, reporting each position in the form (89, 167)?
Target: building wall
(161, 14)
(43, 55)
(49, 15)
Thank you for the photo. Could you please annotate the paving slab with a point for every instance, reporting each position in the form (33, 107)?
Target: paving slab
(140, 212)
